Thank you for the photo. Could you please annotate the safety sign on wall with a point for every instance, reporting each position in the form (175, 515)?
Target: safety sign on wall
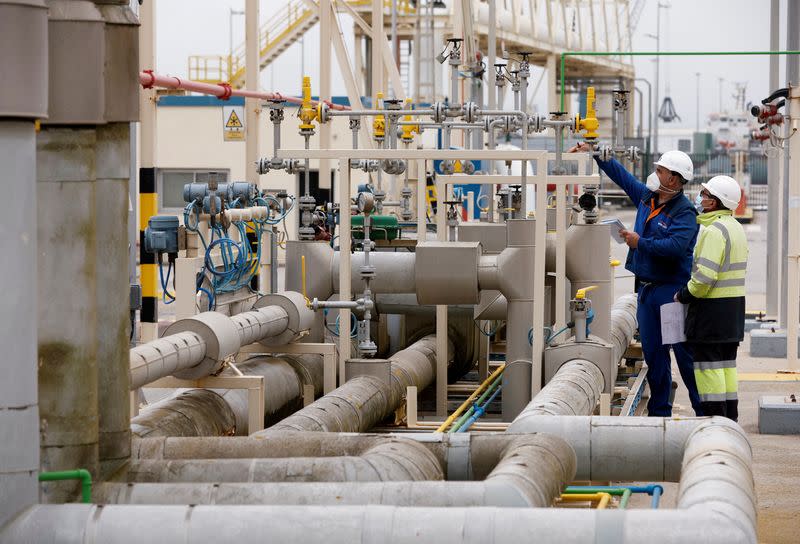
(233, 123)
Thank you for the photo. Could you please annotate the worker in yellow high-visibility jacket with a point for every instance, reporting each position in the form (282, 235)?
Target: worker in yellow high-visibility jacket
(715, 295)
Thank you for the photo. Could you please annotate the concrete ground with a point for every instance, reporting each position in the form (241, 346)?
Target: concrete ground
(776, 458)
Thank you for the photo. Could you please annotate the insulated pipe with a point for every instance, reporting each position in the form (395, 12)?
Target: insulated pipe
(164, 357)
(573, 391)
(389, 459)
(201, 343)
(514, 265)
(222, 91)
(262, 323)
(197, 412)
(218, 412)
(364, 401)
(394, 272)
(576, 387)
(531, 473)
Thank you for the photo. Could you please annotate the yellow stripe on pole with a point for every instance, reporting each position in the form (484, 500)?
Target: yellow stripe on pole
(148, 207)
(149, 274)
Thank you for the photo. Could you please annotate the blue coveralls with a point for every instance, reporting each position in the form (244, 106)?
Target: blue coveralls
(662, 264)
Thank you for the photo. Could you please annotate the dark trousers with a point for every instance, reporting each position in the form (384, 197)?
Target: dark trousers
(717, 358)
(659, 368)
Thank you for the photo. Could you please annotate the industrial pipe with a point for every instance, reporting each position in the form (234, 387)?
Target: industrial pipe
(219, 412)
(715, 504)
(531, 472)
(389, 459)
(222, 91)
(364, 401)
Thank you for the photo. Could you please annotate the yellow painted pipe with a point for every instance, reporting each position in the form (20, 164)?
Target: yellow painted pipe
(488, 381)
(602, 499)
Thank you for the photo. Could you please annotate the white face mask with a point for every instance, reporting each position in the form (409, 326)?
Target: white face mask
(698, 203)
(652, 182)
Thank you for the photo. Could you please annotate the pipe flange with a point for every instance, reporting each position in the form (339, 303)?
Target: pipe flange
(471, 112)
(300, 316)
(439, 112)
(263, 165)
(307, 202)
(219, 333)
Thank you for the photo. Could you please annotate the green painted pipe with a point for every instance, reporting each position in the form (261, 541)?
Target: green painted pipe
(566, 54)
(79, 474)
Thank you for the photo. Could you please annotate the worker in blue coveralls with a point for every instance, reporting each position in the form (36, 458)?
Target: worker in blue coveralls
(660, 256)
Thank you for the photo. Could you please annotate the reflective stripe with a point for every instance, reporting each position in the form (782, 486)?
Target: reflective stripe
(737, 282)
(737, 266)
(714, 365)
(699, 277)
(708, 263)
(714, 397)
(731, 396)
(727, 235)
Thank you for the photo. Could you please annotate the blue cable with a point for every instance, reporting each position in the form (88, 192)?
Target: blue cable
(164, 283)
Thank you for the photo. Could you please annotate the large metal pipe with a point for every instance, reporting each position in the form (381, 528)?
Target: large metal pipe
(576, 387)
(513, 268)
(387, 459)
(531, 472)
(573, 391)
(716, 499)
(364, 401)
(200, 343)
(218, 412)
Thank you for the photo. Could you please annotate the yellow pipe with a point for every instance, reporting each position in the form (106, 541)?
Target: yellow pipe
(488, 381)
(602, 499)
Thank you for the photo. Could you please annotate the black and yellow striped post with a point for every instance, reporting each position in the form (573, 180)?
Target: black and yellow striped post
(148, 271)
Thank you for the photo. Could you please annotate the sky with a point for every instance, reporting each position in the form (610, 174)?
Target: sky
(201, 27)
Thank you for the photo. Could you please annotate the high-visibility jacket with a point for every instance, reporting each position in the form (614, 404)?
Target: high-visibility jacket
(720, 257)
(716, 297)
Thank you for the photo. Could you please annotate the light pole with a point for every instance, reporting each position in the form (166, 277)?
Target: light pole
(697, 112)
(231, 13)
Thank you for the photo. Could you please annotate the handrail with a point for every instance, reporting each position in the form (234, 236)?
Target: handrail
(230, 68)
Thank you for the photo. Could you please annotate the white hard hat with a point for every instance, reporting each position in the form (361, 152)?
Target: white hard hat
(725, 189)
(677, 161)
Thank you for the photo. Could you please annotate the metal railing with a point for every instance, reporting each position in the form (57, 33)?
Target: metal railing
(284, 27)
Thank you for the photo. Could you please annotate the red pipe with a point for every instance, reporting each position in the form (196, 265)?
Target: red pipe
(222, 91)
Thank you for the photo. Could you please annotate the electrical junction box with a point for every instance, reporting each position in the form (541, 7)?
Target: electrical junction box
(593, 350)
(161, 234)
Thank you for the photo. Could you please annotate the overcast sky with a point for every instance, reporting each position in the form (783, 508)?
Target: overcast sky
(201, 27)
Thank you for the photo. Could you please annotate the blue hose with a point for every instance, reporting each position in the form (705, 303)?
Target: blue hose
(479, 411)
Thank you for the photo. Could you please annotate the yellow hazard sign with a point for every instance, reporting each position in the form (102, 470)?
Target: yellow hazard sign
(233, 123)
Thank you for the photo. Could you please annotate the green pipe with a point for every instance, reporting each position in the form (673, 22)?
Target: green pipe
(466, 415)
(623, 502)
(79, 474)
(566, 54)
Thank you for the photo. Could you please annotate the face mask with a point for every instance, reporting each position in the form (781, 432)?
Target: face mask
(698, 203)
(652, 182)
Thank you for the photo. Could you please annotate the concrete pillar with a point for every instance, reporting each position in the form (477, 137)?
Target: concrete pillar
(23, 42)
(113, 319)
(67, 239)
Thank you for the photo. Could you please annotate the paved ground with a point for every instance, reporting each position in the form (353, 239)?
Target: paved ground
(776, 459)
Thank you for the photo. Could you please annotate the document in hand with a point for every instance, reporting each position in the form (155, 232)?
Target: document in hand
(615, 225)
(673, 316)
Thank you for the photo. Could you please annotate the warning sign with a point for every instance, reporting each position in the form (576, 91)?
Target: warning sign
(233, 123)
